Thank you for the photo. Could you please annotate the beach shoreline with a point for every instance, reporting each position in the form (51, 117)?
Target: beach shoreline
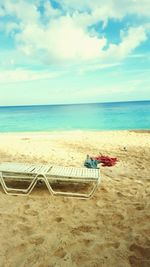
(110, 230)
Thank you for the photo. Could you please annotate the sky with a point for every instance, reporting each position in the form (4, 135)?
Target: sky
(74, 51)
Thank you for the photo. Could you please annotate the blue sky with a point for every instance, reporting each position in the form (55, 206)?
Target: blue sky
(68, 51)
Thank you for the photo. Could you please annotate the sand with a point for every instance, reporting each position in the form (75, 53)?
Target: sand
(110, 230)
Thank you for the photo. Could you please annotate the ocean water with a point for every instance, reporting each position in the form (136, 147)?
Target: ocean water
(99, 116)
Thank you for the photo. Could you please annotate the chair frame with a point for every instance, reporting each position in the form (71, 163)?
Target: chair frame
(46, 176)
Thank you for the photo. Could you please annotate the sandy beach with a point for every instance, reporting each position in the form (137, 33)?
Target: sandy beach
(112, 229)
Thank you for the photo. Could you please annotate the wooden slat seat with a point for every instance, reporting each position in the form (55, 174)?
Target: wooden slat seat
(73, 172)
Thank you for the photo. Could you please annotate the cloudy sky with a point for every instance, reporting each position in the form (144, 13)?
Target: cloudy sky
(74, 51)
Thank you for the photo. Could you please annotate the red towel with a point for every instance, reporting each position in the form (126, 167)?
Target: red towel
(107, 161)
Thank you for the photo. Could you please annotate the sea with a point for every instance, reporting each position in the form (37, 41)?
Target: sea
(133, 115)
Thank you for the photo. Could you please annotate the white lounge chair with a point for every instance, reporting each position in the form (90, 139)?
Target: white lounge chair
(32, 173)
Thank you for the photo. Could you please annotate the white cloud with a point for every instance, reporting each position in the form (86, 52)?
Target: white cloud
(65, 35)
(71, 42)
(98, 66)
(134, 37)
(109, 8)
(49, 11)
(10, 27)
(130, 40)
(62, 39)
(20, 75)
(23, 10)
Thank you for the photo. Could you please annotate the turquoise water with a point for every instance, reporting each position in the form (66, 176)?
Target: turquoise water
(100, 116)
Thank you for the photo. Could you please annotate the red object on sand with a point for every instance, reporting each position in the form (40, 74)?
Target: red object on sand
(107, 161)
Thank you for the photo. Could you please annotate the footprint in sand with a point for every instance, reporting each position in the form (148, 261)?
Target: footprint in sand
(29, 211)
(33, 213)
(136, 262)
(117, 217)
(88, 242)
(139, 206)
(60, 253)
(37, 240)
(141, 251)
(27, 206)
(82, 229)
(28, 230)
(141, 256)
(59, 219)
(99, 247)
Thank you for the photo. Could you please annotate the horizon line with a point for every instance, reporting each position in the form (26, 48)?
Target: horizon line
(67, 104)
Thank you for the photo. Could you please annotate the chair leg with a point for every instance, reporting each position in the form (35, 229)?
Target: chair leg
(78, 195)
(70, 194)
(51, 191)
(19, 191)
